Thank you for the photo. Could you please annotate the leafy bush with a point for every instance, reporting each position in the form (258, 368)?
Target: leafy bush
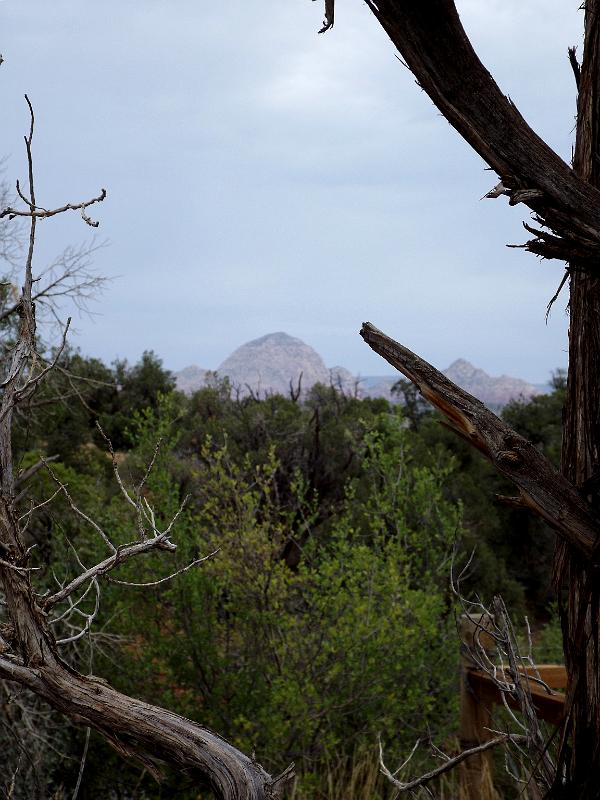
(311, 663)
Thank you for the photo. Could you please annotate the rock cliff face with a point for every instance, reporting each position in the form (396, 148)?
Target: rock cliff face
(270, 364)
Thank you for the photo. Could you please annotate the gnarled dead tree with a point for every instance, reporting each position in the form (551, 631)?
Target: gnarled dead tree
(31, 620)
(565, 203)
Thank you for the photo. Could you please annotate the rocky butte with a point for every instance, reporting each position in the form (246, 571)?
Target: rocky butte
(274, 363)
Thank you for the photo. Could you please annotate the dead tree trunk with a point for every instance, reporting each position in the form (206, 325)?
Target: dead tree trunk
(578, 578)
(30, 652)
(566, 207)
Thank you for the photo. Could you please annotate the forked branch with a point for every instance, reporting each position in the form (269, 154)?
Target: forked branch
(29, 652)
(448, 765)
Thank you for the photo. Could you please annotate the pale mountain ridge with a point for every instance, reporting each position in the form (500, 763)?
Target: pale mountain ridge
(497, 390)
(269, 364)
(277, 362)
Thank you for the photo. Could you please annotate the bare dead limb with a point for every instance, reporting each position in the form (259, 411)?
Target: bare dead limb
(70, 275)
(466, 94)
(121, 555)
(28, 473)
(150, 734)
(494, 670)
(29, 654)
(329, 15)
(44, 213)
(449, 764)
(75, 508)
(541, 487)
(170, 577)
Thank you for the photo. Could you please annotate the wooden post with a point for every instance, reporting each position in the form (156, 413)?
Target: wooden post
(475, 773)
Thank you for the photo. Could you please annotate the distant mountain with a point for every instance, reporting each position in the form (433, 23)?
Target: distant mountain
(378, 386)
(273, 363)
(190, 379)
(494, 392)
(270, 364)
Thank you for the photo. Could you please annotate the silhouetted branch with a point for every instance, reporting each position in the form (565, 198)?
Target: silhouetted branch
(433, 44)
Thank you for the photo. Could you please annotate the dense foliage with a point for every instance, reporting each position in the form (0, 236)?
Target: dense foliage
(324, 616)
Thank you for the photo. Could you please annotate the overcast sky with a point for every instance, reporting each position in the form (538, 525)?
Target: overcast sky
(262, 178)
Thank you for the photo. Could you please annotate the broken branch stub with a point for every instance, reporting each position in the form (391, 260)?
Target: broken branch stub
(541, 487)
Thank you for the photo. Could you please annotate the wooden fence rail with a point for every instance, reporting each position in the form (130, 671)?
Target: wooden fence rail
(478, 695)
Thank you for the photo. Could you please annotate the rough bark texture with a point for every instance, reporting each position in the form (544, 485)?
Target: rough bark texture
(542, 489)
(566, 202)
(434, 45)
(152, 735)
(581, 460)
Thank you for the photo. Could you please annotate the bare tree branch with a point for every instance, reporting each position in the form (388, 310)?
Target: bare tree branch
(433, 44)
(449, 763)
(70, 276)
(28, 473)
(168, 577)
(121, 555)
(44, 213)
(149, 733)
(541, 487)
(138, 730)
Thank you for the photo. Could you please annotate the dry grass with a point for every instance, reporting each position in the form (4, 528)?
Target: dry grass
(359, 778)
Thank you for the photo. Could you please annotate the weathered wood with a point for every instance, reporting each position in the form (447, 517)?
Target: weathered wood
(152, 735)
(542, 488)
(434, 46)
(549, 706)
(553, 675)
(433, 43)
(28, 649)
(476, 773)
(577, 579)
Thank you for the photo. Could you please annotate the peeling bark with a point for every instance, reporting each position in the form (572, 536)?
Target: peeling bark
(432, 41)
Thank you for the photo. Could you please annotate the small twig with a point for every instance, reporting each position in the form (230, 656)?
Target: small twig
(29, 387)
(16, 568)
(72, 605)
(43, 213)
(117, 474)
(447, 765)
(150, 467)
(82, 764)
(168, 577)
(565, 278)
(120, 556)
(575, 65)
(89, 618)
(28, 473)
(79, 512)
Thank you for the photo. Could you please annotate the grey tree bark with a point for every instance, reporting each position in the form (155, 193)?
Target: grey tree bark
(565, 203)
